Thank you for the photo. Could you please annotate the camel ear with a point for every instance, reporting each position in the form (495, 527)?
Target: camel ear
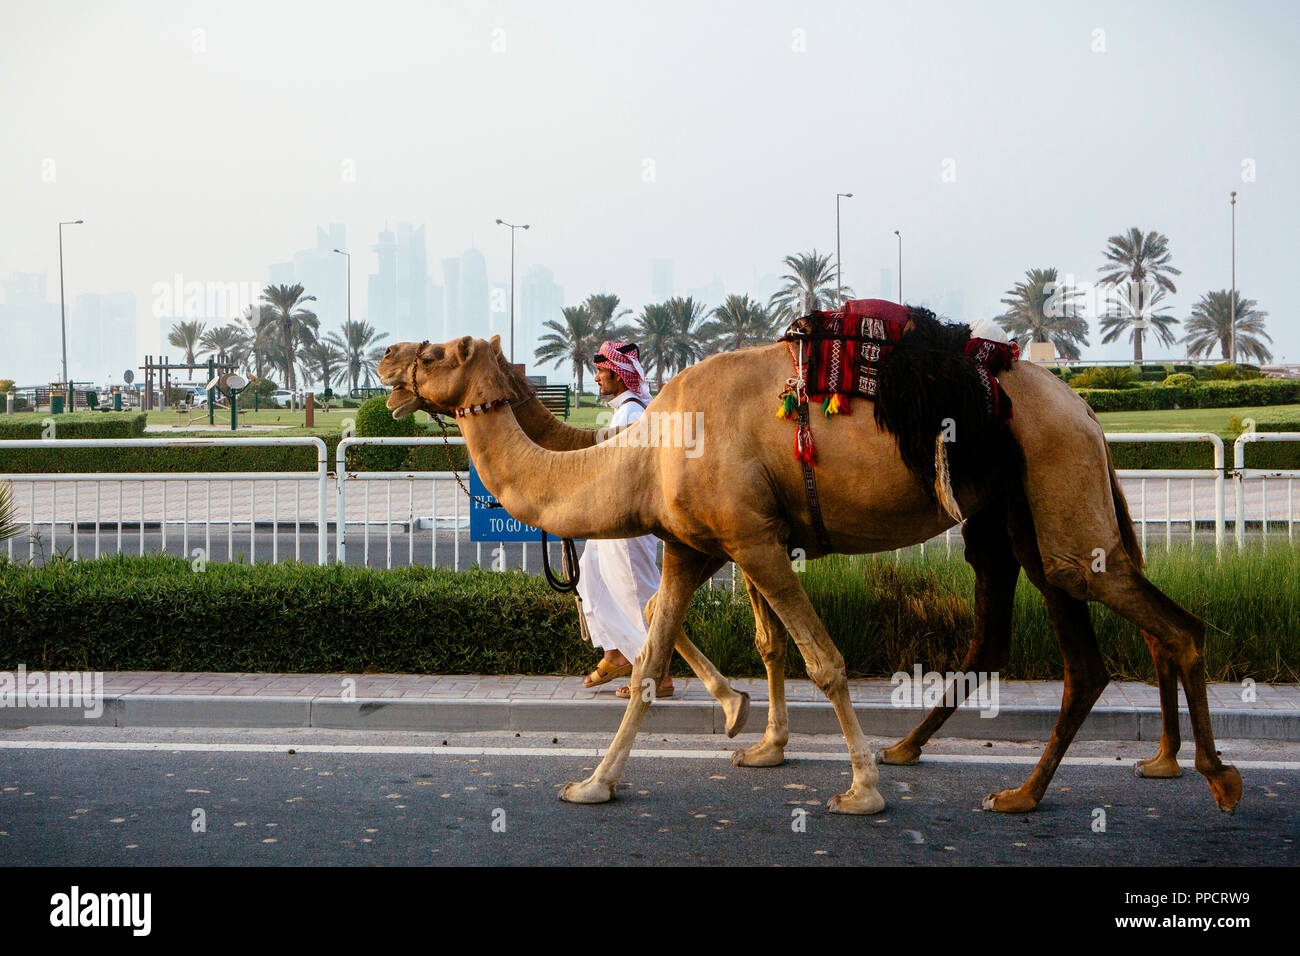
(496, 344)
(465, 348)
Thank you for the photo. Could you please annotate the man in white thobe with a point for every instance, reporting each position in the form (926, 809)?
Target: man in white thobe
(617, 577)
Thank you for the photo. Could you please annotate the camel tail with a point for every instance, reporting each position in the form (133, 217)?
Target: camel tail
(1127, 533)
(943, 481)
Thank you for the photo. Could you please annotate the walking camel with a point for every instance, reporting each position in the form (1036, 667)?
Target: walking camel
(1055, 521)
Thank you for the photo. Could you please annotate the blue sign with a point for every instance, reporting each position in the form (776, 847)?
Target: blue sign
(494, 524)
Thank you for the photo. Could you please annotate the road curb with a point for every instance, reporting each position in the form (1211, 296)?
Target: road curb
(443, 715)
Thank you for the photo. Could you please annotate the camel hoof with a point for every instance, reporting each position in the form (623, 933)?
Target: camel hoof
(737, 719)
(760, 755)
(1010, 801)
(901, 754)
(588, 791)
(1226, 786)
(857, 801)
(1158, 768)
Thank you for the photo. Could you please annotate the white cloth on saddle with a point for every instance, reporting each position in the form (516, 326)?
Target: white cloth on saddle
(618, 576)
(986, 329)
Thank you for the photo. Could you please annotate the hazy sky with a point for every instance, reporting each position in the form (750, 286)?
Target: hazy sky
(210, 139)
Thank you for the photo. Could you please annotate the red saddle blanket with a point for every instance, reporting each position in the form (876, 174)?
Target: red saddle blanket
(844, 351)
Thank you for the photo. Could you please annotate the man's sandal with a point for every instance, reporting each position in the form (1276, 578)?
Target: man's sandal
(606, 672)
(661, 692)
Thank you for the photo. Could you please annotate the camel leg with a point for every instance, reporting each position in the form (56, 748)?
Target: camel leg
(1165, 763)
(770, 638)
(989, 552)
(769, 568)
(680, 574)
(1085, 672)
(1181, 636)
(735, 704)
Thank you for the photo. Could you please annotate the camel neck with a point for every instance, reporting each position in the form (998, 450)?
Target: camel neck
(587, 493)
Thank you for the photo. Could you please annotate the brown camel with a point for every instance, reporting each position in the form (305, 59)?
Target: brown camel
(989, 552)
(1063, 526)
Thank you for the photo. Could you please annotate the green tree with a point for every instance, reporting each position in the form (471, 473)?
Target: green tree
(228, 340)
(1137, 274)
(361, 354)
(258, 328)
(736, 324)
(8, 512)
(188, 336)
(297, 325)
(1210, 324)
(605, 314)
(809, 285)
(654, 333)
(570, 340)
(1040, 309)
(324, 362)
(684, 344)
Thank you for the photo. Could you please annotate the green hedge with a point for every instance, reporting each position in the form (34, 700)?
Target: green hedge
(30, 425)
(1227, 394)
(155, 613)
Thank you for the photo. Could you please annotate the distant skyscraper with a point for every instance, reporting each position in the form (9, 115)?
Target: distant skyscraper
(437, 315)
(321, 272)
(475, 316)
(381, 287)
(661, 279)
(31, 326)
(412, 299)
(499, 312)
(541, 301)
(710, 296)
(451, 324)
(101, 337)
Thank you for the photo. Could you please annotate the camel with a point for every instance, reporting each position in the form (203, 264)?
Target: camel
(1062, 526)
(996, 573)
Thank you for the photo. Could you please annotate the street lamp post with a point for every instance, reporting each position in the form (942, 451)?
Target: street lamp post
(349, 257)
(900, 266)
(513, 227)
(63, 313)
(1232, 316)
(839, 275)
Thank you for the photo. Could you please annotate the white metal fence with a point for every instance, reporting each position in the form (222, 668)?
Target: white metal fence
(392, 518)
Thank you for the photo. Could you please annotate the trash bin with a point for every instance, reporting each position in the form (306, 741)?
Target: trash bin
(117, 401)
(56, 404)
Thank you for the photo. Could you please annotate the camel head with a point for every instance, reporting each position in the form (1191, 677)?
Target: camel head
(441, 378)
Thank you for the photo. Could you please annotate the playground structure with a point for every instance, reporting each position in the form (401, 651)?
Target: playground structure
(155, 393)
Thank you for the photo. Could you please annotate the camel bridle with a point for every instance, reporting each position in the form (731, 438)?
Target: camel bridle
(568, 551)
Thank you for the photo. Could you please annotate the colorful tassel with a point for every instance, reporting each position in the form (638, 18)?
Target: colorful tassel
(788, 409)
(803, 445)
(835, 404)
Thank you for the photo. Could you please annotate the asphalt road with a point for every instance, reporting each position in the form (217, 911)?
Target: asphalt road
(462, 805)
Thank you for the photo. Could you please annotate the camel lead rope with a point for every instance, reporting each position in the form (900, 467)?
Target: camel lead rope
(570, 568)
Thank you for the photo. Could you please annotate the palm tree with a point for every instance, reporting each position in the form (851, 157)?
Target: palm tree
(1210, 325)
(684, 344)
(655, 332)
(324, 362)
(187, 336)
(736, 324)
(605, 314)
(361, 354)
(227, 340)
(258, 327)
(1040, 309)
(297, 325)
(8, 512)
(570, 341)
(1138, 273)
(809, 285)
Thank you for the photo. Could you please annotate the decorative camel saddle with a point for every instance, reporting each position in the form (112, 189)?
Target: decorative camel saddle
(922, 375)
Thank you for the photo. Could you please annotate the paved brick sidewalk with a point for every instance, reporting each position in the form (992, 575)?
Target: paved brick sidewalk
(1283, 698)
(1025, 710)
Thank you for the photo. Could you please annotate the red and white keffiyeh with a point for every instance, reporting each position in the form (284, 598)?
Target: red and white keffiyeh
(621, 357)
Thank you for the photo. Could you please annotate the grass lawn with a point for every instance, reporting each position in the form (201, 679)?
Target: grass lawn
(1193, 419)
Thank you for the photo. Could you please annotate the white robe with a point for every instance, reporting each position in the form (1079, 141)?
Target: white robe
(617, 577)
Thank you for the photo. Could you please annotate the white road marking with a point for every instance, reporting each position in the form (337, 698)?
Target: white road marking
(1125, 763)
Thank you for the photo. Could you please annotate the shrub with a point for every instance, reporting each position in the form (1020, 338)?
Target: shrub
(1225, 394)
(374, 420)
(1180, 380)
(1113, 377)
(1226, 371)
(28, 425)
(261, 387)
